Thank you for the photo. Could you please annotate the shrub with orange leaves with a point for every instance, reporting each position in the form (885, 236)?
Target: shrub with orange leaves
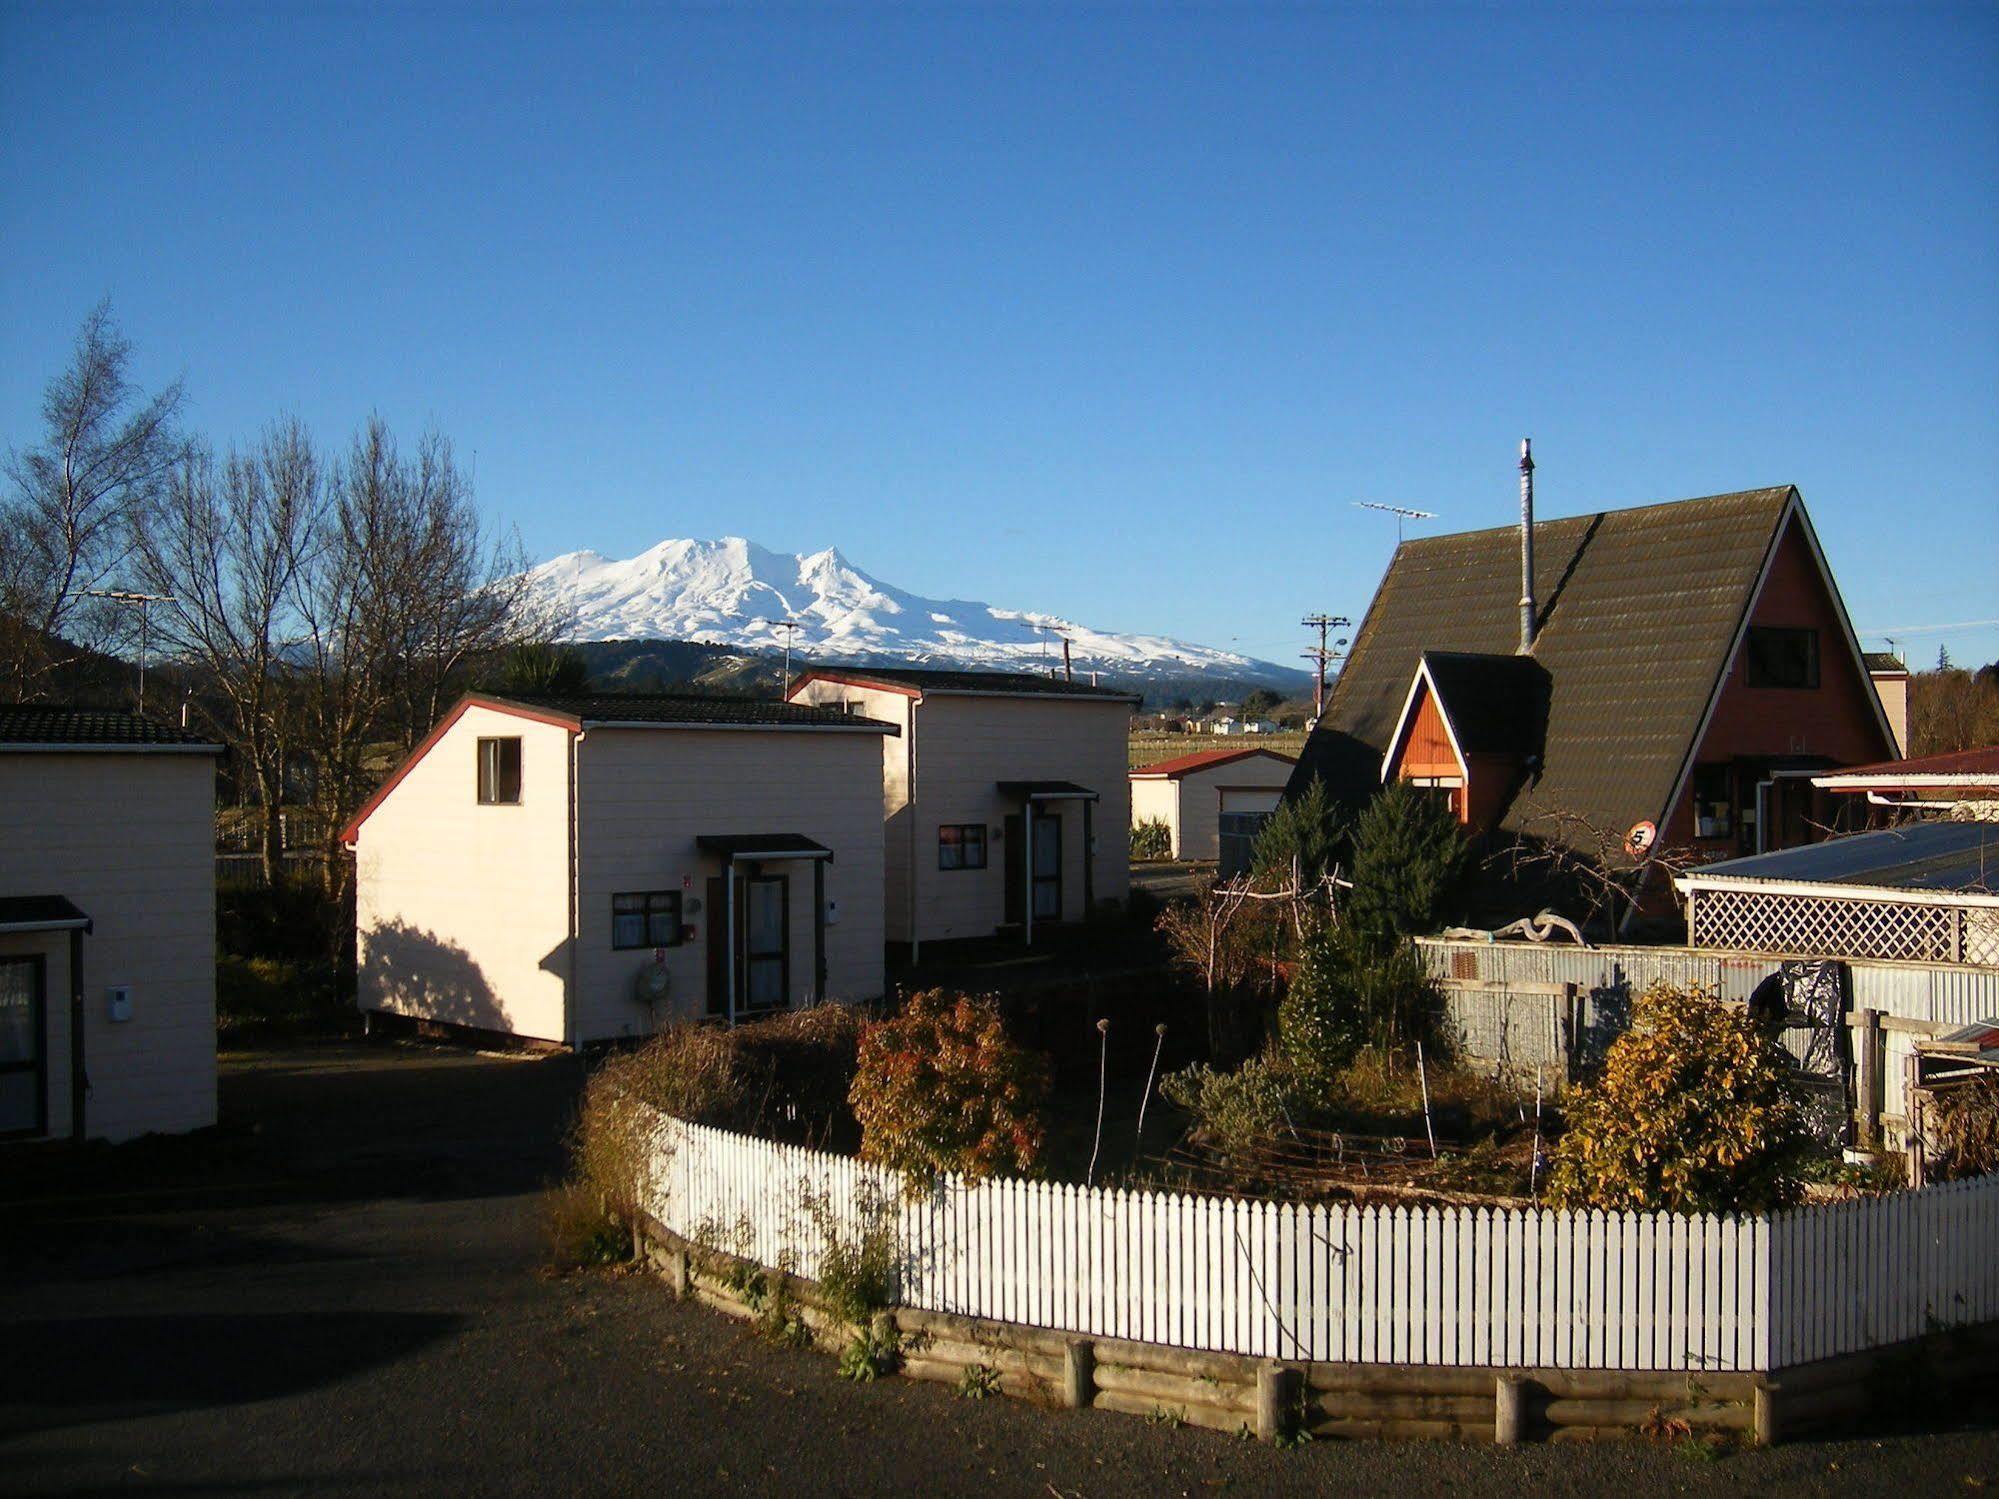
(1696, 1111)
(941, 1087)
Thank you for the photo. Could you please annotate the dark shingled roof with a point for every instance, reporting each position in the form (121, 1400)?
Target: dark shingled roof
(928, 679)
(1885, 661)
(1497, 705)
(668, 709)
(63, 725)
(1638, 611)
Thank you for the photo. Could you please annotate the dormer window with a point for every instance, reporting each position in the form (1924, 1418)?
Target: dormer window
(499, 772)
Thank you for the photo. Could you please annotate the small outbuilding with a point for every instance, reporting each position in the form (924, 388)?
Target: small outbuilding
(107, 925)
(1004, 795)
(1194, 794)
(580, 869)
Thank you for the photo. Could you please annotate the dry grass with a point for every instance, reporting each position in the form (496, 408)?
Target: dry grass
(1150, 749)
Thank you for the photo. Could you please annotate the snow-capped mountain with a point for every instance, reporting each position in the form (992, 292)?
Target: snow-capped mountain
(735, 593)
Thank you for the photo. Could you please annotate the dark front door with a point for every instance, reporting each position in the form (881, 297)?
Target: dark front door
(760, 945)
(1047, 868)
(24, 1061)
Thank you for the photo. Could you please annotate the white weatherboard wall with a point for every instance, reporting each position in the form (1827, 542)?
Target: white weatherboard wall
(963, 746)
(130, 838)
(1434, 1286)
(645, 795)
(1191, 804)
(462, 910)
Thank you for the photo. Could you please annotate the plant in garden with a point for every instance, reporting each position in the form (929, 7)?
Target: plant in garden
(1961, 1129)
(1696, 1110)
(874, 1351)
(1151, 839)
(1346, 995)
(978, 1382)
(858, 1270)
(1308, 832)
(941, 1087)
(1410, 861)
(1233, 1110)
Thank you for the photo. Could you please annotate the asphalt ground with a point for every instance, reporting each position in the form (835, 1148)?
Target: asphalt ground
(343, 1292)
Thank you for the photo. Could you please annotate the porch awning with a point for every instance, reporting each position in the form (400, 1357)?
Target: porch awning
(1047, 791)
(41, 913)
(763, 846)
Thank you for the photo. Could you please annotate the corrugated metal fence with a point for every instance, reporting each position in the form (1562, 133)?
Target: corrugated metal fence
(1527, 1288)
(1499, 999)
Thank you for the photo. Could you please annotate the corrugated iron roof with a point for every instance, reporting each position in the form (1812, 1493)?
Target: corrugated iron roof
(1959, 856)
(691, 709)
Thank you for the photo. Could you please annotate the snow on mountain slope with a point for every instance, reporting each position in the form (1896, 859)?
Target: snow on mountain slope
(733, 592)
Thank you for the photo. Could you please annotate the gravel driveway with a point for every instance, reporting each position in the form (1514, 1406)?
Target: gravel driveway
(342, 1294)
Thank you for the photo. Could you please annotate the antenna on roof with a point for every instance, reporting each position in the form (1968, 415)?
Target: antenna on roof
(1400, 512)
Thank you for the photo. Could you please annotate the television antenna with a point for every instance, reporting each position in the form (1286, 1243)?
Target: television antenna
(1401, 513)
(143, 602)
(790, 628)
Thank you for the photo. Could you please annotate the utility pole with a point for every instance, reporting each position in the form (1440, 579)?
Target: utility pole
(790, 628)
(1322, 654)
(143, 602)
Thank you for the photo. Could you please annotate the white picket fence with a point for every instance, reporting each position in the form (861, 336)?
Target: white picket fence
(1529, 1288)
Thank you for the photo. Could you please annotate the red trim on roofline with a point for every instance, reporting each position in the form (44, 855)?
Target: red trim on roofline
(1174, 769)
(866, 683)
(352, 829)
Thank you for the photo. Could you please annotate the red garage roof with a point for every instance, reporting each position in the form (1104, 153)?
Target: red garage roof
(1172, 770)
(1958, 768)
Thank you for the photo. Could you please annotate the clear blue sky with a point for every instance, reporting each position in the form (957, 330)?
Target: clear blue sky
(1108, 311)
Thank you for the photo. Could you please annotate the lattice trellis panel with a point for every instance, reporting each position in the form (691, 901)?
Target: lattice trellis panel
(1981, 938)
(1757, 921)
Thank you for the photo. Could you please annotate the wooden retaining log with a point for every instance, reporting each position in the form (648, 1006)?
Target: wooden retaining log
(1048, 1371)
(1191, 1413)
(1384, 1379)
(1450, 1410)
(1681, 1388)
(1388, 1429)
(1228, 1368)
(1632, 1415)
(1174, 1389)
(979, 1332)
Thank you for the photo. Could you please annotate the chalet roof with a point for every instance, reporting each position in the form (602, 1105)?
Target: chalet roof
(678, 710)
(61, 726)
(1639, 611)
(939, 679)
(1183, 765)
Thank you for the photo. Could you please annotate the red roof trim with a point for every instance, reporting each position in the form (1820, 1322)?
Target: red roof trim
(1982, 762)
(895, 689)
(424, 746)
(1174, 769)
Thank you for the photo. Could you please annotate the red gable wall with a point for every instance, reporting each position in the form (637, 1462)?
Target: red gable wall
(1836, 720)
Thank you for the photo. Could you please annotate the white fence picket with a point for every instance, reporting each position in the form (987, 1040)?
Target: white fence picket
(1437, 1286)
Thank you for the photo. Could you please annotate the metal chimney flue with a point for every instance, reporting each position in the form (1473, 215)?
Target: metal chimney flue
(1526, 545)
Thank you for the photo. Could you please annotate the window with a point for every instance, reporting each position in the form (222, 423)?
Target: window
(646, 918)
(961, 846)
(1781, 657)
(24, 1079)
(1714, 802)
(499, 772)
(766, 943)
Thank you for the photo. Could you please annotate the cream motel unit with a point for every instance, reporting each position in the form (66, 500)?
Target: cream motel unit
(1004, 796)
(577, 869)
(107, 925)
(1197, 794)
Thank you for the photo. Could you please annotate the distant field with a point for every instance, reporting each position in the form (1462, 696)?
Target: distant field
(1150, 749)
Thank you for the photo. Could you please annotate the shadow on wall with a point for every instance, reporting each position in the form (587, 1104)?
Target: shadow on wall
(419, 973)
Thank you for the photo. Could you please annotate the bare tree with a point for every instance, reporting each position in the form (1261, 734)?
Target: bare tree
(230, 545)
(74, 504)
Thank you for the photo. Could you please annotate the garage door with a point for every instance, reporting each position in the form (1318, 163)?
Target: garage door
(1260, 799)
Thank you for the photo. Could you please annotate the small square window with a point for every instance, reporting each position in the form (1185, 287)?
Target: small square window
(1714, 804)
(499, 772)
(1781, 657)
(961, 846)
(646, 918)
